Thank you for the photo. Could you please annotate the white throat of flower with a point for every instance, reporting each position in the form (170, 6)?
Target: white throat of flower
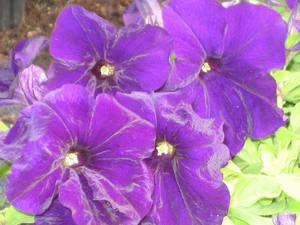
(165, 148)
(71, 159)
(107, 70)
(205, 67)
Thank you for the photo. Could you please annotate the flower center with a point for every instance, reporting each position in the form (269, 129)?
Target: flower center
(165, 148)
(71, 159)
(107, 70)
(206, 67)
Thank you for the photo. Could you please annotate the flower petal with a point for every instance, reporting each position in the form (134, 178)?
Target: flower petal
(80, 36)
(76, 195)
(248, 107)
(259, 45)
(26, 51)
(204, 19)
(74, 105)
(141, 55)
(33, 180)
(55, 215)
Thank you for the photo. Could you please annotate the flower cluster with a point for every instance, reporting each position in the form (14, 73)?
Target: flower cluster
(132, 125)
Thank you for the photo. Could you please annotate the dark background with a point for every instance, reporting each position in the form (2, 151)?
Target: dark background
(40, 17)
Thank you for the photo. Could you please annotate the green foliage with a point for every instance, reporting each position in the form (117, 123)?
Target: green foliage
(11, 216)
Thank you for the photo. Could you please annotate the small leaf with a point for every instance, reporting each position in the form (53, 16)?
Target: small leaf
(252, 188)
(295, 118)
(15, 217)
(290, 184)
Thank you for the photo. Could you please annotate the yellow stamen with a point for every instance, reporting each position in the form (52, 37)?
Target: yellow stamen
(206, 67)
(107, 70)
(71, 159)
(164, 148)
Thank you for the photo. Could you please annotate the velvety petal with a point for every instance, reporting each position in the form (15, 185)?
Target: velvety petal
(80, 36)
(259, 45)
(144, 12)
(285, 219)
(129, 135)
(29, 87)
(248, 107)
(140, 103)
(291, 3)
(26, 51)
(132, 200)
(188, 187)
(61, 73)
(141, 55)
(180, 125)
(74, 105)
(76, 195)
(14, 140)
(132, 15)
(119, 149)
(188, 51)
(204, 20)
(55, 215)
(33, 179)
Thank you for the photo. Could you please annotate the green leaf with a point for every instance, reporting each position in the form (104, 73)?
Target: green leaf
(248, 217)
(292, 40)
(3, 127)
(15, 217)
(290, 184)
(252, 188)
(227, 221)
(295, 118)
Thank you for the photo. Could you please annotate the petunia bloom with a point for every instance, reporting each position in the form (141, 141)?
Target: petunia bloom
(285, 219)
(188, 186)
(89, 154)
(87, 47)
(20, 81)
(227, 54)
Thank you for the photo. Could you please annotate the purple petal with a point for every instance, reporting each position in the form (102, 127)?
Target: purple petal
(188, 185)
(80, 36)
(33, 179)
(285, 219)
(140, 103)
(26, 51)
(60, 74)
(247, 106)
(141, 55)
(76, 195)
(144, 12)
(189, 51)
(140, 142)
(15, 139)
(204, 19)
(259, 45)
(74, 106)
(291, 3)
(29, 87)
(55, 215)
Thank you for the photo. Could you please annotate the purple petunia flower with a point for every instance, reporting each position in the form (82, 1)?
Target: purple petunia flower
(144, 12)
(87, 47)
(87, 152)
(186, 163)
(227, 57)
(285, 219)
(20, 82)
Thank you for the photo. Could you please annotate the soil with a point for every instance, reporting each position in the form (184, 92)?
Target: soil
(40, 17)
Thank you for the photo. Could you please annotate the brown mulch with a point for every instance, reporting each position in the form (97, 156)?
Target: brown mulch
(40, 17)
